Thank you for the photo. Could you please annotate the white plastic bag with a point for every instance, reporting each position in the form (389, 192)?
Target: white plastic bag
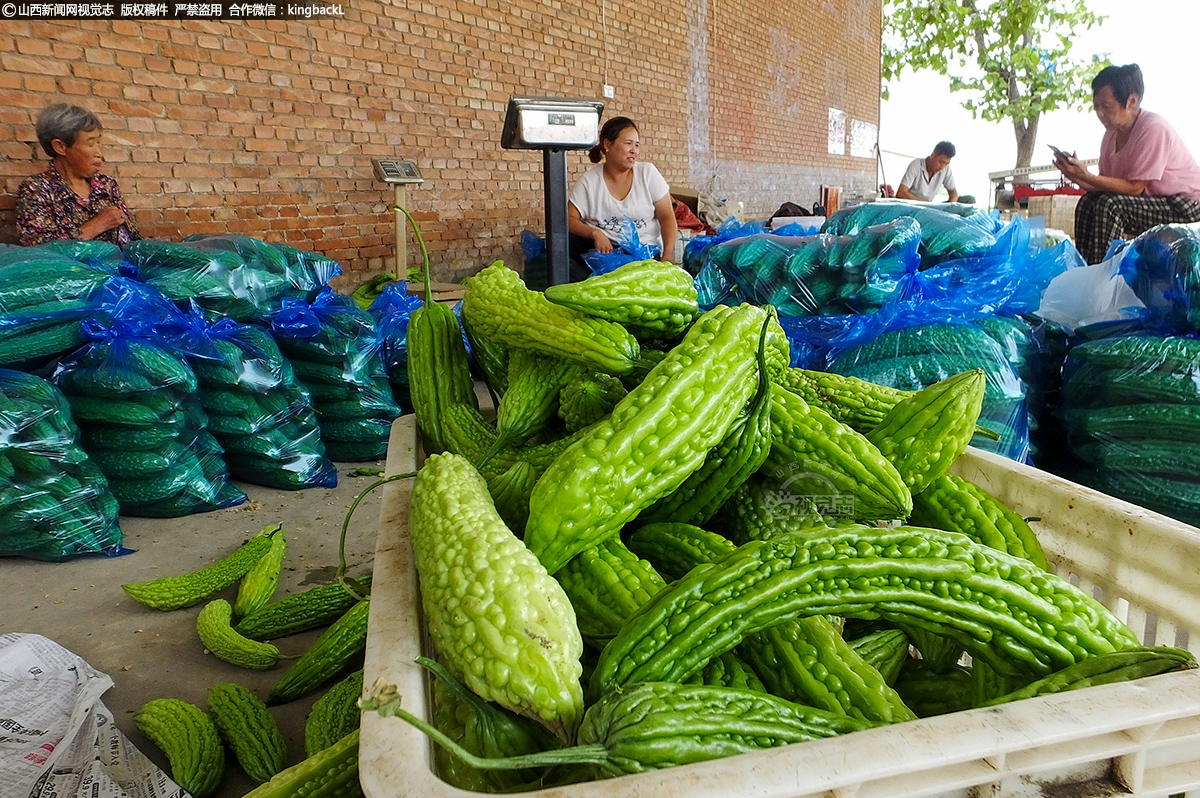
(56, 736)
(1090, 295)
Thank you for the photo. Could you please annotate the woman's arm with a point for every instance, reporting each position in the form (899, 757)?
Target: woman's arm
(664, 212)
(577, 226)
(1074, 170)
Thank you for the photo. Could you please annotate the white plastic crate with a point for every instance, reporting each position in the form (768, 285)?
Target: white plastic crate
(1135, 738)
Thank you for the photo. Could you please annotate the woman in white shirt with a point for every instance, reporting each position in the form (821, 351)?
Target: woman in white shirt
(622, 187)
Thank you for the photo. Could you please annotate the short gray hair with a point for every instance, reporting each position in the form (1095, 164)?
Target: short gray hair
(65, 122)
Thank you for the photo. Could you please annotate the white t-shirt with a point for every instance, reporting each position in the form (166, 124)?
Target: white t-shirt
(922, 185)
(599, 208)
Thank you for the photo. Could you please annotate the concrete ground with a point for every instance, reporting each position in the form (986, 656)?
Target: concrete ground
(150, 654)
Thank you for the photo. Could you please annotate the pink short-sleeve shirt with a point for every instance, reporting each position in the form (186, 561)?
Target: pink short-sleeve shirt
(1155, 153)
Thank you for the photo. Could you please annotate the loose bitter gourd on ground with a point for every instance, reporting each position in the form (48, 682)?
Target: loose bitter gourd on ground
(174, 592)
(329, 773)
(215, 632)
(249, 729)
(334, 715)
(318, 606)
(190, 740)
(336, 648)
(260, 582)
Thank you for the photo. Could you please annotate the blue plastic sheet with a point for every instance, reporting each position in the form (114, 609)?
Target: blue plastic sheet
(628, 249)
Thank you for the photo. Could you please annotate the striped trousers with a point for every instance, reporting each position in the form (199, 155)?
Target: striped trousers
(1102, 217)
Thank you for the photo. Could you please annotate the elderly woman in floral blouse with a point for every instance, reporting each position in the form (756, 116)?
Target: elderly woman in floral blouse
(72, 199)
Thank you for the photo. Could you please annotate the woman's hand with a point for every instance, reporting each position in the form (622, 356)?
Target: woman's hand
(106, 220)
(601, 241)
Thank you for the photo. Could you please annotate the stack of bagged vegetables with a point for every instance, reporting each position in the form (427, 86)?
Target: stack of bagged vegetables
(706, 551)
(334, 349)
(137, 404)
(241, 633)
(1129, 405)
(55, 502)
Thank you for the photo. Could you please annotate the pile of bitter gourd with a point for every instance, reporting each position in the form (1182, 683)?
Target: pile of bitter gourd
(717, 554)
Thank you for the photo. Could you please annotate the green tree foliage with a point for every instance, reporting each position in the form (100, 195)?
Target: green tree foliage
(1013, 57)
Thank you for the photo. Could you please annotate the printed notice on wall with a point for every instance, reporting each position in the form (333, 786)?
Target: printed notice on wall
(837, 132)
(863, 136)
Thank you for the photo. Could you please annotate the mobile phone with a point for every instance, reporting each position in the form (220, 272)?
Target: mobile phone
(1057, 151)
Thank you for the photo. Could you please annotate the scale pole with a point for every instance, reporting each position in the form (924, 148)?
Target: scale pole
(558, 257)
(401, 235)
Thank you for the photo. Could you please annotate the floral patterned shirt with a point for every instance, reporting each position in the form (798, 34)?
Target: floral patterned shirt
(48, 210)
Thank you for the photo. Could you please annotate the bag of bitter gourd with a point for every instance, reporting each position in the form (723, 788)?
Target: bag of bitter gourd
(944, 235)
(259, 412)
(305, 273)
(334, 349)
(235, 276)
(822, 274)
(54, 502)
(1162, 266)
(100, 254)
(138, 408)
(1131, 408)
(913, 345)
(392, 309)
(44, 296)
(1008, 279)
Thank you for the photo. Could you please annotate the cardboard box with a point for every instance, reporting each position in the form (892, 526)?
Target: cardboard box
(1057, 209)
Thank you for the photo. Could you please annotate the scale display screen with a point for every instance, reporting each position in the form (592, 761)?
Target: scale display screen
(534, 123)
(395, 171)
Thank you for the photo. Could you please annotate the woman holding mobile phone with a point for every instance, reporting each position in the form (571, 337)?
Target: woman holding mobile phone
(1147, 176)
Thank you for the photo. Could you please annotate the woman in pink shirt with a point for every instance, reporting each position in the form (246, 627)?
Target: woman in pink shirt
(1146, 177)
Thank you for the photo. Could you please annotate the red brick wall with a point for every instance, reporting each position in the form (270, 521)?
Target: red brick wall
(268, 128)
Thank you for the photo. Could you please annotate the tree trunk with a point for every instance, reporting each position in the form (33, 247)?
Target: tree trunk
(1026, 140)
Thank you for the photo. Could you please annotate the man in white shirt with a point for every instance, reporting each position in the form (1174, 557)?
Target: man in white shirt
(925, 177)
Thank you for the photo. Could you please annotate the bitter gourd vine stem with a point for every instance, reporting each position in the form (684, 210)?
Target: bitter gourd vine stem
(341, 570)
(384, 699)
(421, 241)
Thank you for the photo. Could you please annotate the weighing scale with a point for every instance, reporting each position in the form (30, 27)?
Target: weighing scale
(399, 174)
(553, 125)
